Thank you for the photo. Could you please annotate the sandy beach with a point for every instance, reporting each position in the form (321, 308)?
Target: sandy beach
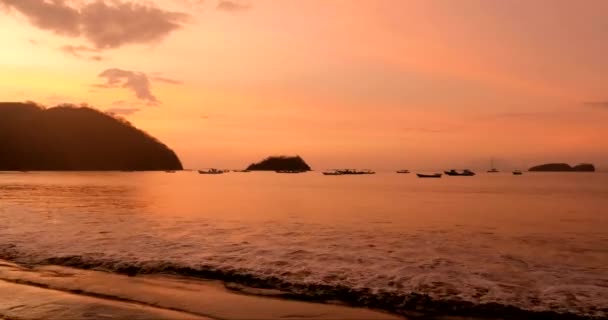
(52, 292)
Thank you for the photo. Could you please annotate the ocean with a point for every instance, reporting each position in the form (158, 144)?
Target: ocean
(489, 245)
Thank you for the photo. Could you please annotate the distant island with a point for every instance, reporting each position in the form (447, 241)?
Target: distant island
(564, 167)
(69, 137)
(280, 163)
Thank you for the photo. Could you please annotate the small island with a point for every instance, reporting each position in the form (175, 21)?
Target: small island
(281, 163)
(76, 138)
(563, 167)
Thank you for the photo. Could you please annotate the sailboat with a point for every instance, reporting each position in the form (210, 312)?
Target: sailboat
(493, 169)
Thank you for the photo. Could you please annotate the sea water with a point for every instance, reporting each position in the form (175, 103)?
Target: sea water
(537, 242)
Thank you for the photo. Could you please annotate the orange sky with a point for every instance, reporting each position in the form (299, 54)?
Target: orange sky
(382, 84)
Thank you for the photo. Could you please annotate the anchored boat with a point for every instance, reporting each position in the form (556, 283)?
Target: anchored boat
(465, 173)
(211, 171)
(436, 175)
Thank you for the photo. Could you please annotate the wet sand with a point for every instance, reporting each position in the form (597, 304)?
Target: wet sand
(52, 292)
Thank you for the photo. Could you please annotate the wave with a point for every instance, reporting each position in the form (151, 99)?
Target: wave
(410, 304)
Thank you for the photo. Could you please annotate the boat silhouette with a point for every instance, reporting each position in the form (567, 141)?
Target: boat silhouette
(436, 175)
(211, 171)
(464, 173)
(403, 171)
(492, 168)
(355, 171)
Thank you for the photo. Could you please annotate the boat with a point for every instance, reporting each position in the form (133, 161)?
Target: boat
(517, 173)
(211, 171)
(465, 173)
(403, 171)
(332, 173)
(493, 169)
(436, 175)
(355, 171)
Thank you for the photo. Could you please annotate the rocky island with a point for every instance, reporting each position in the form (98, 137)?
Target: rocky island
(69, 137)
(280, 163)
(563, 167)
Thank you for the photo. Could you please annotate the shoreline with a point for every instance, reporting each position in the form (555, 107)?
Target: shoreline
(77, 291)
(55, 292)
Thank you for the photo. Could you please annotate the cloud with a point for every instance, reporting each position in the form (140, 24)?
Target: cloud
(138, 82)
(232, 5)
(167, 80)
(97, 58)
(191, 3)
(111, 26)
(597, 104)
(77, 51)
(106, 25)
(56, 15)
(82, 52)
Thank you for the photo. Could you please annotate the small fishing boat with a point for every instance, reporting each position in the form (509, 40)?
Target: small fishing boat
(465, 173)
(403, 171)
(211, 171)
(355, 172)
(517, 173)
(332, 173)
(436, 175)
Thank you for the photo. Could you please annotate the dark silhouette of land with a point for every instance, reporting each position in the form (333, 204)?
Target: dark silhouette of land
(280, 163)
(69, 137)
(564, 167)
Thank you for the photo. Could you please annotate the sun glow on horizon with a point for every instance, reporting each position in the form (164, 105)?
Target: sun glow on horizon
(378, 83)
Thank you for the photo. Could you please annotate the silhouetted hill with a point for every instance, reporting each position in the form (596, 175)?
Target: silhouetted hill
(279, 163)
(564, 167)
(67, 137)
(585, 167)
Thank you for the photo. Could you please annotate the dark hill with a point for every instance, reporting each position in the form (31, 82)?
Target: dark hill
(585, 167)
(67, 137)
(279, 163)
(563, 167)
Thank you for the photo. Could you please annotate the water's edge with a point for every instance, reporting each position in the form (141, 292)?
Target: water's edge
(56, 292)
(411, 305)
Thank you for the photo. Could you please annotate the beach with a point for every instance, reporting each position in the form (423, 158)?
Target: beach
(54, 292)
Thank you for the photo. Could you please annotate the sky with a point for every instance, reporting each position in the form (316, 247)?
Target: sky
(383, 84)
